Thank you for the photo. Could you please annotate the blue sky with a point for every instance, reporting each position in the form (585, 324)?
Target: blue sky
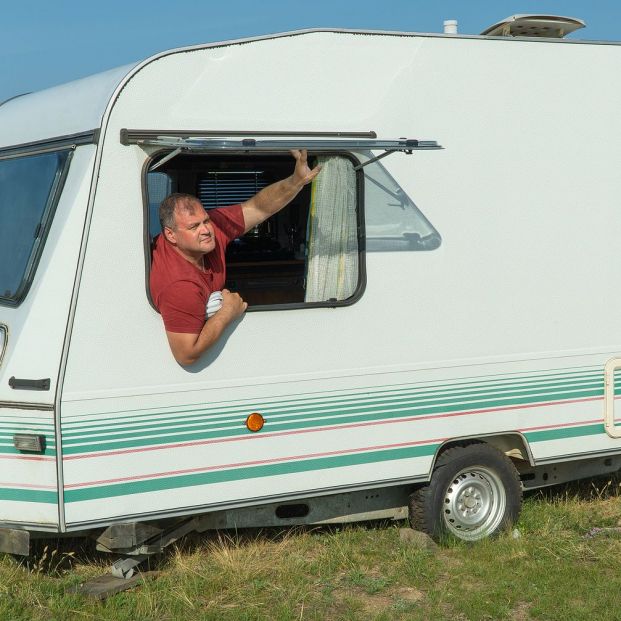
(44, 43)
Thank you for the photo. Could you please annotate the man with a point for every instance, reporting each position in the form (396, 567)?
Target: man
(189, 264)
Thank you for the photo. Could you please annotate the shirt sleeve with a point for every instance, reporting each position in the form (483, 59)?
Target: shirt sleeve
(229, 220)
(182, 307)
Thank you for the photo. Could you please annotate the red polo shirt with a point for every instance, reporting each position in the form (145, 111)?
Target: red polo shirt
(179, 289)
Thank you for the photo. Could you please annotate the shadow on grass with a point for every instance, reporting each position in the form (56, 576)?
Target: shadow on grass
(603, 487)
(274, 534)
(54, 556)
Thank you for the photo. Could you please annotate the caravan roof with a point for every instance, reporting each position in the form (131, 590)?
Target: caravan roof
(79, 107)
(71, 108)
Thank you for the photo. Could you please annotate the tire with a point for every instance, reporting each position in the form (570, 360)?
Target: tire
(474, 492)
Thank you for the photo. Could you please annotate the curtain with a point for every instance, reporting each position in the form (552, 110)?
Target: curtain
(332, 240)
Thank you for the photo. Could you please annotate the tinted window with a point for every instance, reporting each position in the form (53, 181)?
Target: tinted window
(158, 188)
(29, 188)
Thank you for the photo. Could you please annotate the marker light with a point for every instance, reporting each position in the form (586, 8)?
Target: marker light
(255, 422)
(29, 442)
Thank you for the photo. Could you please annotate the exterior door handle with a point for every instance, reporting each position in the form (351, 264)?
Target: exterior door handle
(29, 384)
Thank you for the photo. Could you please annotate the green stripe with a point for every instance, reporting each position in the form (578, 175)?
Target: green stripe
(321, 410)
(7, 430)
(11, 450)
(29, 495)
(410, 395)
(584, 372)
(565, 432)
(178, 435)
(245, 473)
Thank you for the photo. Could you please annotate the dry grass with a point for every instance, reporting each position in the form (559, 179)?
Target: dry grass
(554, 570)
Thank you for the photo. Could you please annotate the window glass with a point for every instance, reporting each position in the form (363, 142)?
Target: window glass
(158, 188)
(29, 187)
(393, 221)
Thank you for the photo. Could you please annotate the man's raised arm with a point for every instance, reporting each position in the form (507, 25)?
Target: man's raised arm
(274, 197)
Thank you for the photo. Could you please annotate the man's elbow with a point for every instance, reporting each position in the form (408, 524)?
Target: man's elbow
(186, 360)
(185, 357)
(184, 348)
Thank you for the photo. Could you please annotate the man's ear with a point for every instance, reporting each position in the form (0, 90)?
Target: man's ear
(169, 234)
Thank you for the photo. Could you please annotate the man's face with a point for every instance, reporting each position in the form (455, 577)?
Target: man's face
(193, 234)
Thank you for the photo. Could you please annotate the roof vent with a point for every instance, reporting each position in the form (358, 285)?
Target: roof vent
(550, 26)
(450, 26)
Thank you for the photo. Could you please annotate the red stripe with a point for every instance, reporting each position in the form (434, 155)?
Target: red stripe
(258, 462)
(26, 485)
(275, 434)
(27, 458)
(583, 422)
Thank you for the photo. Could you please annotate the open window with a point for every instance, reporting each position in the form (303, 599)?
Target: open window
(312, 251)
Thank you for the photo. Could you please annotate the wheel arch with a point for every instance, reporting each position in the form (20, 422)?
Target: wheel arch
(512, 443)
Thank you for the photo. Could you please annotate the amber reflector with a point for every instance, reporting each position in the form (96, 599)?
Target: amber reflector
(255, 422)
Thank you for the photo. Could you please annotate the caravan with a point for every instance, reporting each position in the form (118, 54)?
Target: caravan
(434, 324)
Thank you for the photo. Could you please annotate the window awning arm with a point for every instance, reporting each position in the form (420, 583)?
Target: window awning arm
(408, 149)
(165, 159)
(378, 157)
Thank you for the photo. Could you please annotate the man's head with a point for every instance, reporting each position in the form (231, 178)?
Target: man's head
(186, 225)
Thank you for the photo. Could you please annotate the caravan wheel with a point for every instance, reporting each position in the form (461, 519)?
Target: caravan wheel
(474, 492)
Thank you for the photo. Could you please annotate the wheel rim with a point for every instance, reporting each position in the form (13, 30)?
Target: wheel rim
(474, 503)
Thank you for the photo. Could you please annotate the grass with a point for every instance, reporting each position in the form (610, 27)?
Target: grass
(553, 570)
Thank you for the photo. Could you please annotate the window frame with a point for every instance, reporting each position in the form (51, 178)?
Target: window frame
(46, 220)
(360, 224)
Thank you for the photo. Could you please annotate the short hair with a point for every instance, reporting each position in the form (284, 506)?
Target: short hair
(187, 202)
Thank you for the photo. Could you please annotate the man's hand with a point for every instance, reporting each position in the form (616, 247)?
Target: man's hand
(302, 174)
(188, 348)
(232, 306)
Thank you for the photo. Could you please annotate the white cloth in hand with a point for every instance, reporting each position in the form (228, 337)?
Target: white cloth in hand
(214, 304)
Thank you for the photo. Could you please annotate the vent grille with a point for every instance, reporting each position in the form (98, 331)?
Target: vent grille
(218, 189)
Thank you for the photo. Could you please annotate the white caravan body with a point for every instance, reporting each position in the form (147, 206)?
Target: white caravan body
(502, 332)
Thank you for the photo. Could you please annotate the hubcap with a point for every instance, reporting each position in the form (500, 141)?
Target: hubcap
(474, 503)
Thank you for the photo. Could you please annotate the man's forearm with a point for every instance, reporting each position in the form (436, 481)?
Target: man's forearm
(211, 332)
(274, 197)
(270, 200)
(188, 348)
